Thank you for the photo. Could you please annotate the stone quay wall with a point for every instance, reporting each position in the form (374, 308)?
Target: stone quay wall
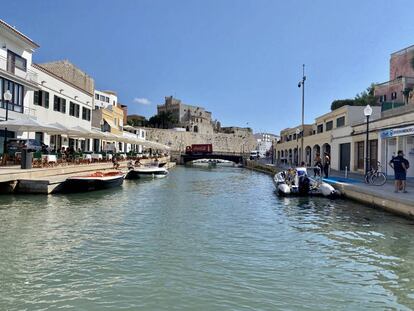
(234, 143)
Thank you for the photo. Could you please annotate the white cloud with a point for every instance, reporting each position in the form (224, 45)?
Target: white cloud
(142, 101)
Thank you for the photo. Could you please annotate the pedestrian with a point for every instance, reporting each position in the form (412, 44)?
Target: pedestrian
(317, 165)
(326, 164)
(400, 166)
(115, 162)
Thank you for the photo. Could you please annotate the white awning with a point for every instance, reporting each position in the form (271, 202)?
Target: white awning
(27, 125)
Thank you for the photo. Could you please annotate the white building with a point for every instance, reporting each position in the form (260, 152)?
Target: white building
(265, 142)
(59, 101)
(16, 75)
(134, 132)
(103, 99)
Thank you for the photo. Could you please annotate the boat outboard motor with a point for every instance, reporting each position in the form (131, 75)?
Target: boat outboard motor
(304, 185)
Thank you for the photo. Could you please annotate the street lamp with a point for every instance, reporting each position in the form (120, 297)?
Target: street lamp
(302, 85)
(297, 146)
(7, 97)
(367, 113)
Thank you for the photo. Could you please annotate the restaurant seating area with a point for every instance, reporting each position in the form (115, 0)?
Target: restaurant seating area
(52, 159)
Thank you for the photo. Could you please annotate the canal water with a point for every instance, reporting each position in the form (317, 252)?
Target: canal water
(216, 239)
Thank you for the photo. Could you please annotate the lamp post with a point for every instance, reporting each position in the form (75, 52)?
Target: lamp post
(302, 85)
(367, 113)
(7, 97)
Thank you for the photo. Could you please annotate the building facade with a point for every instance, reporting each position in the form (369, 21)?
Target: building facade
(331, 133)
(16, 75)
(59, 101)
(192, 118)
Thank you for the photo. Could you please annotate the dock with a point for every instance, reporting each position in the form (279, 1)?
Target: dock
(47, 180)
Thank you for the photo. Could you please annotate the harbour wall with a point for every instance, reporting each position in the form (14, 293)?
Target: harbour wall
(238, 142)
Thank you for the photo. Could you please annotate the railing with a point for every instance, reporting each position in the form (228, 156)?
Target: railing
(398, 111)
(28, 75)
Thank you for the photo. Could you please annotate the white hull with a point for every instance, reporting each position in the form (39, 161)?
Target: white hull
(147, 172)
(291, 187)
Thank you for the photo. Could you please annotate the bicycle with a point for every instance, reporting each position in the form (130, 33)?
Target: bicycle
(375, 176)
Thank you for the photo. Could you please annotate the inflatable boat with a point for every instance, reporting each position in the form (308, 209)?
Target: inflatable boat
(296, 182)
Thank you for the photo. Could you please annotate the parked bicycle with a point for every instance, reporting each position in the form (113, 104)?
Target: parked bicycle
(375, 176)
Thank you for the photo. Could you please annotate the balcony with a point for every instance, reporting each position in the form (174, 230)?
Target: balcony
(28, 78)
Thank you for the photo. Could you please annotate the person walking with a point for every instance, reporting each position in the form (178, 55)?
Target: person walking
(317, 165)
(326, 164)
(400, 166)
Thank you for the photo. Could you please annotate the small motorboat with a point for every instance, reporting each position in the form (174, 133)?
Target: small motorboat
(296, 182)
(146, 172)
(94, 181)
(204, 162)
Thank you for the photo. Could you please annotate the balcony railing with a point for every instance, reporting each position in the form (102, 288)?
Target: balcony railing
(28, 75)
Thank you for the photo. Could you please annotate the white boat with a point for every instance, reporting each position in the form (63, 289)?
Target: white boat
(296, 182)
(212, 162)
(147, 172)
(204, 162)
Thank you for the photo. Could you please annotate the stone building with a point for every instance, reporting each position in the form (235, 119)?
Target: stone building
(69, 72)
(192, 118)
(398, 91)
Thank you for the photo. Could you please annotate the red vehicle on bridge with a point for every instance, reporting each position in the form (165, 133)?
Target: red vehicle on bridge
(199, 149)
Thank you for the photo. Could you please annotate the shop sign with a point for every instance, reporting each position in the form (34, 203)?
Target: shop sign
(397, 132)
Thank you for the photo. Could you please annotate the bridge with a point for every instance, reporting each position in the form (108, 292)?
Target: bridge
(230, 156)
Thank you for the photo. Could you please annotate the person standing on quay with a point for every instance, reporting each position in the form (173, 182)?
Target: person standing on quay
(326, 163)
(400, 166)
(317, 165)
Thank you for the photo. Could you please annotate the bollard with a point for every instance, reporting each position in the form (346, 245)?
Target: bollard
(346, 171)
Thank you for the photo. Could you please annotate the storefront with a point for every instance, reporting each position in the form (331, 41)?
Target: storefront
(396, 139)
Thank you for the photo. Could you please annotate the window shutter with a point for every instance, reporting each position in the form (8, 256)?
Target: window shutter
(46, 99)
(56, 103)
(36, 98)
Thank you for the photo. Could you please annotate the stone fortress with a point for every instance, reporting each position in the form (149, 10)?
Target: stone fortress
(195, 126)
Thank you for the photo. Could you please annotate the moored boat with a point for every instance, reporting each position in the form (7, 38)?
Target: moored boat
(296, 182)
(94, 181)
(146, 172)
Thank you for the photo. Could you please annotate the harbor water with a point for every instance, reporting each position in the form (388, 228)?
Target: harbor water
(201, 239)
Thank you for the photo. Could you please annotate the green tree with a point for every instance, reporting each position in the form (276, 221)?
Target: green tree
(163, 120)
(364, 98)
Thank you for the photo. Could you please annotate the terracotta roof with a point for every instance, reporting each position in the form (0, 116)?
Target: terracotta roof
(19, 34)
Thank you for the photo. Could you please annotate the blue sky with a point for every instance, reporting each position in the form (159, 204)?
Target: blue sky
(241, 60)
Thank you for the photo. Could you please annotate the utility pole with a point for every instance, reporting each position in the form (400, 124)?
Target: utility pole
(302, 85)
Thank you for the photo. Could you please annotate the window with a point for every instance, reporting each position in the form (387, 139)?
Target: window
(97, 96)
(101, 98)
(86, 114)
(74, 109)
(340, 122)
(294, 136)
(107, 99)
(329, 125)
(319, 128)
(59, 104)
(15, 61)
(394, 95)
(360, 155)
(41, 98)
(383, 98)
(17, 90)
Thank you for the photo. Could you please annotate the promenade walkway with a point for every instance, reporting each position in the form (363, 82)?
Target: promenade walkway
(381, 196)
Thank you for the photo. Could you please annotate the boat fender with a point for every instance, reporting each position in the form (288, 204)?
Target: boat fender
(283, 189)
(326, 189)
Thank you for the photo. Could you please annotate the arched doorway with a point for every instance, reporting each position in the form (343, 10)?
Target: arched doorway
(326, 148)
(308, 156)
(316, 149)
